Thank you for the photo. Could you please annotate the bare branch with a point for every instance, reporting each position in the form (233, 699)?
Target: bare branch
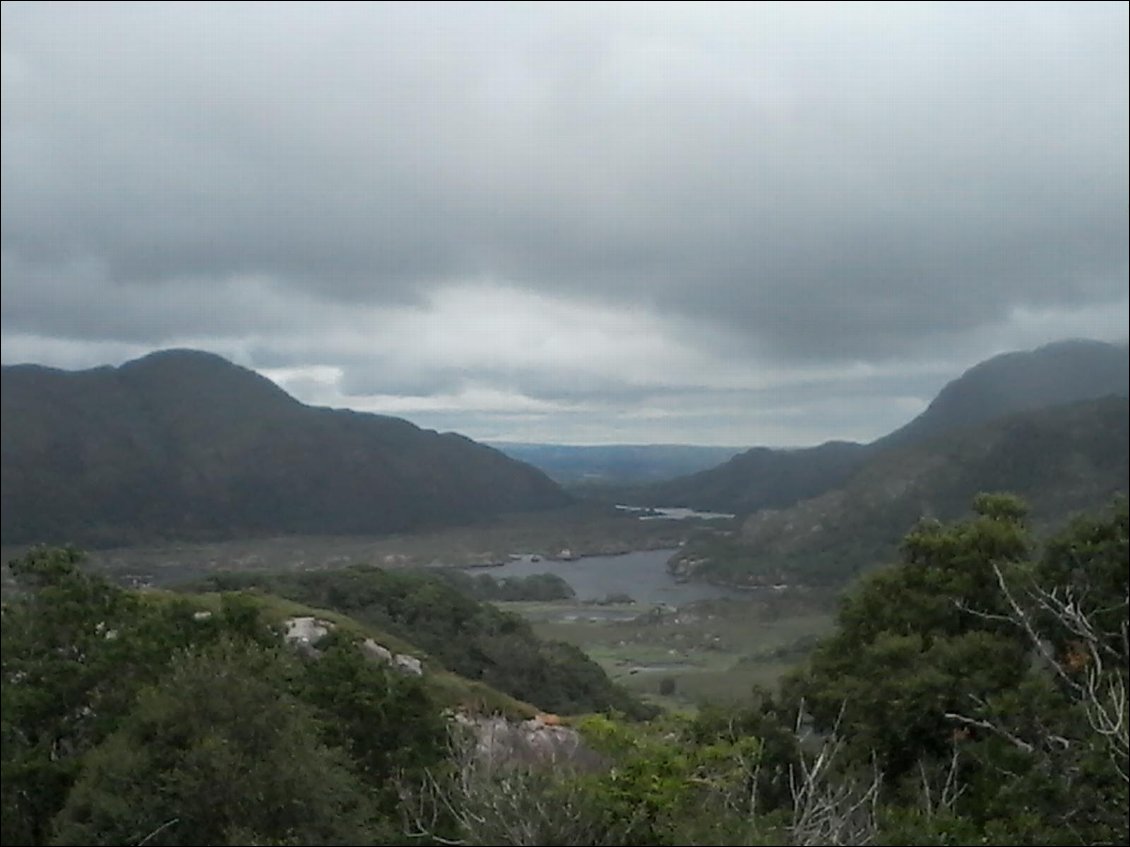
(832, 808)
(991, 727)
(1093, 672)
(157, 831)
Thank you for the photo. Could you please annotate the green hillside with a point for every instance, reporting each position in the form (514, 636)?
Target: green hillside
(1061, 460)
(185, 445)
(468, 637)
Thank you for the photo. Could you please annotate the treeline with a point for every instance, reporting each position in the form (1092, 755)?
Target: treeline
(974, 692)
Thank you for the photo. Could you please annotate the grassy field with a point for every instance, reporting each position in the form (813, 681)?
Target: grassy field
(716, 650)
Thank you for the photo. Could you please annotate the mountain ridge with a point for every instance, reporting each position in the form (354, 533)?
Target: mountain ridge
(183, 444)
(1058, 373)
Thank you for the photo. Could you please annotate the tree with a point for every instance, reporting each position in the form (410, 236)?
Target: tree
(76, 651)
(215, 754)
(385, 720)
(906, 652)
(1070, 718)
(975, 673)
(66, 642)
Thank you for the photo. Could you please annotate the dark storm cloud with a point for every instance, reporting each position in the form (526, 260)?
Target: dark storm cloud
(789, 187)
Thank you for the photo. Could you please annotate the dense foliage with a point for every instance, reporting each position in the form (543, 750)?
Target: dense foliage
(978, 662)
(129, 717)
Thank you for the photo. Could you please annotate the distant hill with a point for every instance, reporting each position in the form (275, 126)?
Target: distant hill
(1060, 460)
(761, 478)
(185, 445)
(615, 464)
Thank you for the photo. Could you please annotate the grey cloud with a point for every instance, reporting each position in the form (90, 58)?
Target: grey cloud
(381, 376)
(693, 424)
(79, 301)
(832, 184)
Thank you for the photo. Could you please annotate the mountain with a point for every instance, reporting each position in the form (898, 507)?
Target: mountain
(1064, 372)
(615, 464)
(1059, 373)
(1060, 460)
(185, 445)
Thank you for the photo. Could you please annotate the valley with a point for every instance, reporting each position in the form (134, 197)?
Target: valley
(509, 424)
(677, 605)
(675, 643)
(714, 642)
(632, 628)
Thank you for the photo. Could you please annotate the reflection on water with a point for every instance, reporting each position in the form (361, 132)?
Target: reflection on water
(642, 575)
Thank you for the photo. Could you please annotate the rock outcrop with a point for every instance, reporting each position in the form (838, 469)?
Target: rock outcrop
(539, 740)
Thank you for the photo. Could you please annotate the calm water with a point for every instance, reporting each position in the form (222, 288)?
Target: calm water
(641, 575)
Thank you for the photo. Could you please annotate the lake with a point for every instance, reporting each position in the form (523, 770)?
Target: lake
(674, 513)
(642, 575)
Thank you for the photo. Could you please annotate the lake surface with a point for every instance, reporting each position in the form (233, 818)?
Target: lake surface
(642, 575)
(673, 513)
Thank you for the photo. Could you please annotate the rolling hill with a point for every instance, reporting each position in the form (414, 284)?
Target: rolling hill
(760, 478)
(185, 445)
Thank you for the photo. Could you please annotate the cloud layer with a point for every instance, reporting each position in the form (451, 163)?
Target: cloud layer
(707, 223)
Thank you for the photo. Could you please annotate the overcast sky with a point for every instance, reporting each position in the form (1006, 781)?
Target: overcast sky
(732, 224)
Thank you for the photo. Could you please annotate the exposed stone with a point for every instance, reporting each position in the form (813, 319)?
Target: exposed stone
(376, 652)
(409, 664)
(306, 630)
(540, 740)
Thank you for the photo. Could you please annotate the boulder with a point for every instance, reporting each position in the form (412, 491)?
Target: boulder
(306, 630)
(409, 664)
(376, 652)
